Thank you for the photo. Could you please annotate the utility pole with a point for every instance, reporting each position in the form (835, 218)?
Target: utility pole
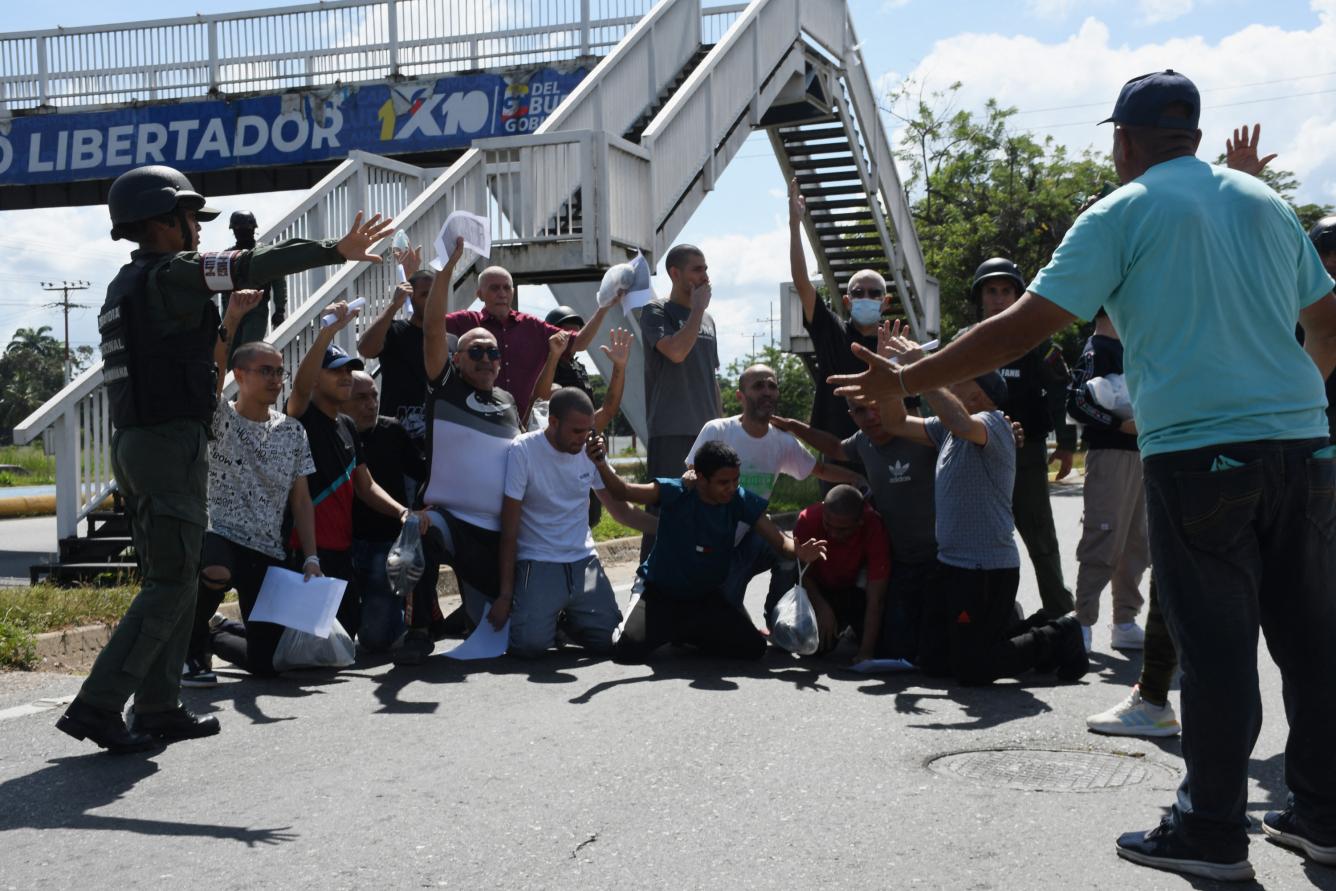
(65, 306)
(771, 318)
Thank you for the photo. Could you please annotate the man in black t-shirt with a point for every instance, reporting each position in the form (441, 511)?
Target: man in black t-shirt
(397, 343)
(865, 301)
(396, 464)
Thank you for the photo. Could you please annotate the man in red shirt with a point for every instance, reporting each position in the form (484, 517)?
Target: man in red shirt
(521, 337)
(848, 587)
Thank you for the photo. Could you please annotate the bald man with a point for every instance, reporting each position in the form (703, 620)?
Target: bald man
(522, 338)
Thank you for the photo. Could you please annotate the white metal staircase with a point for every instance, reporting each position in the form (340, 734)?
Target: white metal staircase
(578, 195)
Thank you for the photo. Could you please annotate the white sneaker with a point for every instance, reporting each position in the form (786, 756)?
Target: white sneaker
(1085, 636)
(1135, 716)
(1128, 636)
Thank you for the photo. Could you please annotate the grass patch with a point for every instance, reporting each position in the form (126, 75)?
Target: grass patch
(27, 612)
(608, 529)
(41, 467)
(794, 495)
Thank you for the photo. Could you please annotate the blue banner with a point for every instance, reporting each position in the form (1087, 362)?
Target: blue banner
(292, 128)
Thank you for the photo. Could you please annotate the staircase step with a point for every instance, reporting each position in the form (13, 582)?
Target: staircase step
(835, 161)
(826, 228)
(865, 256)
(797, 137)
(818, 203)
(813, 179)
(836, 242)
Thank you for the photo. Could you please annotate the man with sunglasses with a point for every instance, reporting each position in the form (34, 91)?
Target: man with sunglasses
(522, 339)
(865, 301)
(470, 424)
(259, 459)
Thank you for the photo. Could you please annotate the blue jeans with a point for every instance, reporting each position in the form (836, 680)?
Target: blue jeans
(382, 609)
(1251, 544)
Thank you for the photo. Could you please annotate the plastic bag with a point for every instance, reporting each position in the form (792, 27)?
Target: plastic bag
(405, 563)
(1110, 393)
(793, 623)
(297, 649)
(538, 414)
(616, 282)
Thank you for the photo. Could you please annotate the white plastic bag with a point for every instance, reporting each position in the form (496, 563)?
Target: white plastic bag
(793, 622)
(297, 649)
(616, 282)
(1110, 393)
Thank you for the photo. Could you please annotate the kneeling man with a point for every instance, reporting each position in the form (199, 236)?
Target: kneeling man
(545, 527)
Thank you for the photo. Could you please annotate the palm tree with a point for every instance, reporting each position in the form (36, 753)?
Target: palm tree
(35, 341)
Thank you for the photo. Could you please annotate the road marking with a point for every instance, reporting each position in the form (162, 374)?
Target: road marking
(34, 708)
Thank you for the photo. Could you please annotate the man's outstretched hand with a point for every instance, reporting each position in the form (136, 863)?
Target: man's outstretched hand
(356, 244)
(1241, 151)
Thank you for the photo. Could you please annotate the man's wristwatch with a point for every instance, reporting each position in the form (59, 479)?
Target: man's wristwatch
(312, 559)
(222, 333)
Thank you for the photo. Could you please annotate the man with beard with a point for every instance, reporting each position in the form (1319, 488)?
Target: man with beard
(765, 452)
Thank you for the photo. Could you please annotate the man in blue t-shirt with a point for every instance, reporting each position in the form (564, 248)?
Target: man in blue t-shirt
(683, 601)
(1205, 272)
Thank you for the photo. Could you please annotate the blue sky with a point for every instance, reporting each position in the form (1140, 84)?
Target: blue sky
(1059, 61)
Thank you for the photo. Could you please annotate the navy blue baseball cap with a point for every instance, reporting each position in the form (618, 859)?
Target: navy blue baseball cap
(1142, 101)
(335, 357)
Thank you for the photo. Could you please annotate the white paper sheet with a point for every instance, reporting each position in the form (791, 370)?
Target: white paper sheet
(641, 292)
(475, 230)
(285, 599)
(330, 318)
(883, 666)
(484, 643)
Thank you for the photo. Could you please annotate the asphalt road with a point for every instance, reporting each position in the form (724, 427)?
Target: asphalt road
(574, 773)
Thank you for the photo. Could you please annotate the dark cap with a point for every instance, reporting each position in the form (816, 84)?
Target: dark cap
(564, 315)
(993, 386)
(335, 357)
(1142, 101)
(241, 219)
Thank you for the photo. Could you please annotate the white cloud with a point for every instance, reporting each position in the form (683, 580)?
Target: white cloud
(1062, 88)
(1156, 11)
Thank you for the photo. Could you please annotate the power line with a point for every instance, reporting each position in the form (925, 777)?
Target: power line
(65, 305)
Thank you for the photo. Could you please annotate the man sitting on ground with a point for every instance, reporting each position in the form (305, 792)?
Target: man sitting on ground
(544, 526)
(394, 460)
(683, 601)
(969, 626)
(258, 463)
(470, 425)
(901, 474)
(765, 452)
(847, 587)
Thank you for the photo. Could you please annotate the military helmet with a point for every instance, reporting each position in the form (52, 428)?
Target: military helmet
(1323, 235)
(152, 191)
(564, 315)
(997, 266)
(241, 219)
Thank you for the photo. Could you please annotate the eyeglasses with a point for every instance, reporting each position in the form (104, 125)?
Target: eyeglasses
(866, 292)
(477, 352)
(269, 372)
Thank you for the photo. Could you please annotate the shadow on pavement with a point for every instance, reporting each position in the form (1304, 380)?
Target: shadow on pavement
(245, 694)
(704, 673)
(60, 796)
(989, 706)
(553, 668)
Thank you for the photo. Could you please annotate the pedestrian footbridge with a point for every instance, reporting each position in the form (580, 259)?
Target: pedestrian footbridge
(618, 166)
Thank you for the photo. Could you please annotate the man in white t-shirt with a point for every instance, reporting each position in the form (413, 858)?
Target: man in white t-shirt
(548, 566)
(765, 453)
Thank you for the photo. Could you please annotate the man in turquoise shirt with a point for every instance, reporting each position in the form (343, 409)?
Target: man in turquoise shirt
(1205, 272)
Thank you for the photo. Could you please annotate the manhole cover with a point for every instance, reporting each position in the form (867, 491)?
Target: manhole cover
(1042, 770)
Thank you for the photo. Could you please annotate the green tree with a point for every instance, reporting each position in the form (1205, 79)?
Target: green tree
(796, 390)
(32, 371)
(985, 190)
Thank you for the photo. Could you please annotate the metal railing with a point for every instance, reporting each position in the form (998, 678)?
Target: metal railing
(293, 47)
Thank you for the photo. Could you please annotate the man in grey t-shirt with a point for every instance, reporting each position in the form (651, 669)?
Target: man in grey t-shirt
(970, 629)
(681, 364)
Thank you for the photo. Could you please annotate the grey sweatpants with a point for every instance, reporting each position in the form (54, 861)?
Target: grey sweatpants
(544, 591)
(1114, 546)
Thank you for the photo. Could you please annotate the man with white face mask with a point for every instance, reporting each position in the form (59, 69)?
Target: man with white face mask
(865, 300)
